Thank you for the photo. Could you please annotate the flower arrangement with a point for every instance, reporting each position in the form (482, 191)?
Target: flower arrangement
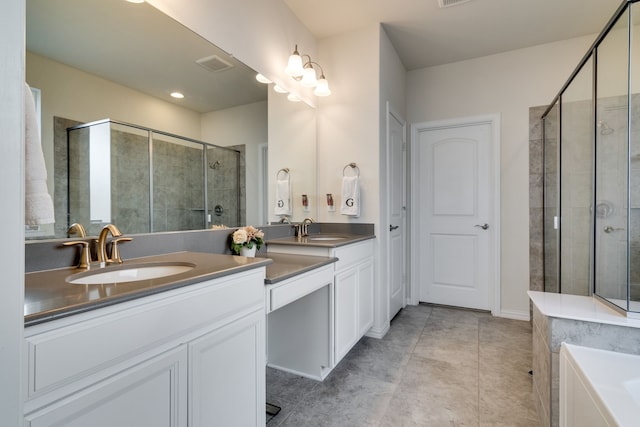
(246, 237)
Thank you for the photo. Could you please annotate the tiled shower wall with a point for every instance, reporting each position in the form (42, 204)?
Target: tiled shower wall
(536, 206)
(178, 184)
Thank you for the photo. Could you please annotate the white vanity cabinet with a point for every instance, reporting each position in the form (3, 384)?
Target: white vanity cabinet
(193, 356)
(353, 293)
(353, 298)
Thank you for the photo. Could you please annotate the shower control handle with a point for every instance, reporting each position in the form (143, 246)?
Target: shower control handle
(483, 226)
(609, 229)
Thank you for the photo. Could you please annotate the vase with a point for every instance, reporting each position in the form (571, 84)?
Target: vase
(245, 251)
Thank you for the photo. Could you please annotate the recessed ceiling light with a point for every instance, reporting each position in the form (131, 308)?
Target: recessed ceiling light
(177, 95)
(262, 79)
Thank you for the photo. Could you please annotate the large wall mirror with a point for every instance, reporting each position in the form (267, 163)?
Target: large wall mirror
(116, 61)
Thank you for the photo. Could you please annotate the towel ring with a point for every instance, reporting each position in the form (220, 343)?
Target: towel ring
(285, 170)
(353, 166)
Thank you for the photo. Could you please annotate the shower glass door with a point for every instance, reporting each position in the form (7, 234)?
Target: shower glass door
(576, 183)
(612, 165)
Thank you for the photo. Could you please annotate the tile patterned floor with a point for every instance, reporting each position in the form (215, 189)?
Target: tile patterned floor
(437, 366)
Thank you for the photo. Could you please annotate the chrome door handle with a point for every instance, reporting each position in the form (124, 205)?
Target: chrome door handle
(483, 226)
(393, 227)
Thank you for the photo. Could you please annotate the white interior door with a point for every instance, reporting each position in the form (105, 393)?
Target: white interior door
(396, 129)
(453, 187)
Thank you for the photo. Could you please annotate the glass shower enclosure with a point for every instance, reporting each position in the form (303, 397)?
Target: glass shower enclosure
(145, 180)
(592, 171)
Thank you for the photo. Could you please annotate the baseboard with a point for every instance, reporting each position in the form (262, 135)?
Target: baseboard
(377, 333)
(512, 314)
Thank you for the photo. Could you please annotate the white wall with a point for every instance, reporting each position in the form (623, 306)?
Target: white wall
(292, 145)
(245, 124)
(12, 30)
(349, 130)
(508, 84)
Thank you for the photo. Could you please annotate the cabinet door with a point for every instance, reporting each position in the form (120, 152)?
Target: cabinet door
(227, 375)
(152, 394)
(346, 312)
(365, 297)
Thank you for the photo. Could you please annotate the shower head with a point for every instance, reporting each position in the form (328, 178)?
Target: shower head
(604, 128)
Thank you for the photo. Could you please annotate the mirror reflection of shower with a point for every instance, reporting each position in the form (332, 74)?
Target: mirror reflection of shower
(604, 128)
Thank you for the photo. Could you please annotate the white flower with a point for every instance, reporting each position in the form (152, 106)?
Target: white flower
(240, 236)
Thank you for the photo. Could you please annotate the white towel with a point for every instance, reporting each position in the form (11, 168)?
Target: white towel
(283, 197)
(350, 196)
(38, 203)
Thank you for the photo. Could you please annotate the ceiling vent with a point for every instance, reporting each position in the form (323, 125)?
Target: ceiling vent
(214, 63)
(449, 3)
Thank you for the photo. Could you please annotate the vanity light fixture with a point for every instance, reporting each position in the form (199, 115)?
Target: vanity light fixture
(305, 73)
(293, 98)
(280, 89)
(262, 79)
(177, 95)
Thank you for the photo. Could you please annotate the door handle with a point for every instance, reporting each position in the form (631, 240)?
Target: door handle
(393, 227)
(483, 226)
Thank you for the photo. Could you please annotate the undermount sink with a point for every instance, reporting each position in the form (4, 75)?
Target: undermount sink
(325, 238)
(129, 273)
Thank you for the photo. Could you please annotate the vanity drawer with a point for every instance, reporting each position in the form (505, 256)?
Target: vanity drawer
(352, 254)
(292, 289)
(87, 344)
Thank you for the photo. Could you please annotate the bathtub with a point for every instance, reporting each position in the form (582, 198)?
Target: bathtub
(598, 387)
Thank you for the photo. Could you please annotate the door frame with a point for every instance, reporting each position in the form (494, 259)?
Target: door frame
(391, 111)
(493, 120)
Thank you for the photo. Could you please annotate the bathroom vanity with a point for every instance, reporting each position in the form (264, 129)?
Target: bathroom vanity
(190, 348)
(350, 295)
(189, 352)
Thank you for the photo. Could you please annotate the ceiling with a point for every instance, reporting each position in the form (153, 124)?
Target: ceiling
(426, 35)
(137, 46)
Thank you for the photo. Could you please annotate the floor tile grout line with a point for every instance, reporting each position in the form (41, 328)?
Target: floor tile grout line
(410, 352)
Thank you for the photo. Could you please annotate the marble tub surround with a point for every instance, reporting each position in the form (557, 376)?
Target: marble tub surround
(48, 296)
(578, 320)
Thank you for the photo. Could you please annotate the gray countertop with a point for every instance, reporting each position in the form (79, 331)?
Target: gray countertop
(48, 296)
(286, 266)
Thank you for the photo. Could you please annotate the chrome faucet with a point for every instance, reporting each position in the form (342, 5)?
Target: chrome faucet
(102, 243)
(304, 226)
(285, 220)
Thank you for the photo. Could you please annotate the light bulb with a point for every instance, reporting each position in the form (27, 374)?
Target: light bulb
(309, 77)
(322, 89)
(280, 89)
(294, 66)
(262, 79)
